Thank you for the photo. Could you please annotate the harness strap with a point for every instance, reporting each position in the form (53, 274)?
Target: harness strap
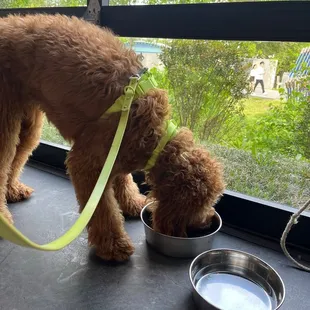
(171, 132)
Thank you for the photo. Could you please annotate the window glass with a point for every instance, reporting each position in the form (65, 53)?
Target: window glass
(41, 3)
(64, 3)
(247, 102)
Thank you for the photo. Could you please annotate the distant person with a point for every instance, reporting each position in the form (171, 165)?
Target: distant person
(260, 71)
(253, 77)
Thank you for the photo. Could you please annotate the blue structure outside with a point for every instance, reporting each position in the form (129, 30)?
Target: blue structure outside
(145, 47)
(296, 76)
(303, 59)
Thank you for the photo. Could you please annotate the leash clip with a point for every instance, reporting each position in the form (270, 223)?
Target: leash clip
(129, 92)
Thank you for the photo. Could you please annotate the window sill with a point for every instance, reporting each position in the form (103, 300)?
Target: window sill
(75, 278)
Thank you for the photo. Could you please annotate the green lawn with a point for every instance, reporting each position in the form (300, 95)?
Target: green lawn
(270, 177)
(257, 107)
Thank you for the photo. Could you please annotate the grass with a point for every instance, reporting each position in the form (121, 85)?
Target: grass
(266, 176)
(257, 107)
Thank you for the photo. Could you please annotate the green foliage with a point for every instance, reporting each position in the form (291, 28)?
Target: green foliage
(285, 52)
(207, 80)
(41, 3)
(283, 128)
(297, 112)
(265, 175)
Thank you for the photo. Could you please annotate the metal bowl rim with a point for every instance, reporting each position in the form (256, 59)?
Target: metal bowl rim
(179, 238)
(241, 252)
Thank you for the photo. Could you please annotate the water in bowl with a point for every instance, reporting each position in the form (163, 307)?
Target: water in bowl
(232, 292)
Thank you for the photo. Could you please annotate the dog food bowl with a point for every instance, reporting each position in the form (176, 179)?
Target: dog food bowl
(180, 247)
(226, 279)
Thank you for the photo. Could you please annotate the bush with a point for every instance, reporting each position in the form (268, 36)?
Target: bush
(283, 128)
(207, 81)
(267, 176)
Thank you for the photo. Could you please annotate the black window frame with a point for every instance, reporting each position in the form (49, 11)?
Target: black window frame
(283, 21)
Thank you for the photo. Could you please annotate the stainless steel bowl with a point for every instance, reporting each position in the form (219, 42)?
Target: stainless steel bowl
(179, 247)
(233, 280)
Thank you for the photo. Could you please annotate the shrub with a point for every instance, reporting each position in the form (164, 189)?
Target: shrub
(206, 80)
(284, 129)
(267, 176)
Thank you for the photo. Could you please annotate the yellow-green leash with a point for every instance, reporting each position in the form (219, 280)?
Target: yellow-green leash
(137, 87)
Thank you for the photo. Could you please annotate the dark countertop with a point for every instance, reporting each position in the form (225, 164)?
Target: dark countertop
(75, 279)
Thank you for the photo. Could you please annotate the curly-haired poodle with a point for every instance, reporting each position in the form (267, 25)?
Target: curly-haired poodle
(74, 71)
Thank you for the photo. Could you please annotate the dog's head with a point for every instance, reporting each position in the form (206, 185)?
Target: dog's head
(186, 183)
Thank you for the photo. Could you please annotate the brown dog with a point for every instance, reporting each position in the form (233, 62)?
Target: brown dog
(74, 71)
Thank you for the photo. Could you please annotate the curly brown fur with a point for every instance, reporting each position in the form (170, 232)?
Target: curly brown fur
(74, 71)
(186, 183)
(128, 195)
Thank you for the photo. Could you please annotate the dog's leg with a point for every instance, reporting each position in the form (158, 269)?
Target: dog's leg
(128, 196)
(106, 229)
(28, 140)
(9, 130)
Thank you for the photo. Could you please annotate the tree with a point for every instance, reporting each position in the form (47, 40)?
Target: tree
(285, 52)
(207, 80)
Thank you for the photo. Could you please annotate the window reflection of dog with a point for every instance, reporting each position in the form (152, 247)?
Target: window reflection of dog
(74, 71)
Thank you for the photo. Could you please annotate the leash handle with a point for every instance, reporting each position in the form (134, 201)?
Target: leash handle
(11, 233)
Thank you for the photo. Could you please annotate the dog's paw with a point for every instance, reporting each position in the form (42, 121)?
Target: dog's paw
(18, 192)
(118, 250)
(134, 206)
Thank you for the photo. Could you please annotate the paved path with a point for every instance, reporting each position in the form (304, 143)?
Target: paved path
(271, 94)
